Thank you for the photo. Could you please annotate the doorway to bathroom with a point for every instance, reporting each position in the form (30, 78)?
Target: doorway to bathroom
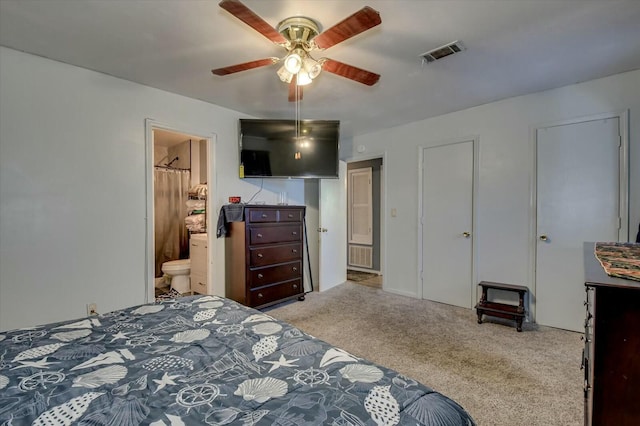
(179, 177)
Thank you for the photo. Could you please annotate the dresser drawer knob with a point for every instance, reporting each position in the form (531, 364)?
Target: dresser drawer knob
(295, 286)
(260, 276)
(294, 250)
(294, 269)
(260, 255)
(260, 296)
(259, 235)
(294, 233)
(290, 215)
(264, 215)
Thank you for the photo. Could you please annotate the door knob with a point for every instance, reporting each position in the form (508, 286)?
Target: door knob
(466, 234)
(544, 238)
(322, 229)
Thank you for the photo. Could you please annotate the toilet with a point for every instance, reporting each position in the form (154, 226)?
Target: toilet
(178, 272)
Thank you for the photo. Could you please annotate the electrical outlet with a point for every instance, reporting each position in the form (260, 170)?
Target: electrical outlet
(92, 309)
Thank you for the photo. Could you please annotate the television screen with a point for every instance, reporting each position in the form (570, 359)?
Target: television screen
(282, 149)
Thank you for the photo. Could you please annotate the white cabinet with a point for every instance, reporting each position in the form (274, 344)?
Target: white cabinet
(198, 253)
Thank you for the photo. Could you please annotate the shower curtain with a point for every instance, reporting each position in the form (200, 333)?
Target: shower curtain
(171, 188)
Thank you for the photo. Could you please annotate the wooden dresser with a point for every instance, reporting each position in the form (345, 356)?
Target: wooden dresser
(263, 256)
(612, 347)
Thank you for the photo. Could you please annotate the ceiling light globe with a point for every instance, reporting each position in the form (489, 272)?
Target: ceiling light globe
(315, 71)
(303, 78)
(285, 75)
(293, 63)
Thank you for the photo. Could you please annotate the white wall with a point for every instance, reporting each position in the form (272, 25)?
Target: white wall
(72, 181)
(505, 173)
(72, 186)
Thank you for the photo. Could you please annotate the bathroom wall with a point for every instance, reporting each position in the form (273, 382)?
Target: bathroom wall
(198, 162)
(183, 152)
(160, 153)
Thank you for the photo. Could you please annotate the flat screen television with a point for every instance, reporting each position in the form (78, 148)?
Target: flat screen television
(282, 149)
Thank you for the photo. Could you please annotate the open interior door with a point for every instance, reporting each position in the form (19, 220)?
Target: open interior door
(333, 230)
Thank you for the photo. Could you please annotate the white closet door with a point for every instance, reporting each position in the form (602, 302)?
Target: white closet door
(360, 194)
(577, 201)
(447, 205)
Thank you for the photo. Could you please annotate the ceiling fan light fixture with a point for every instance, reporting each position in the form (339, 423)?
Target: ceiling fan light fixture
(300, 35)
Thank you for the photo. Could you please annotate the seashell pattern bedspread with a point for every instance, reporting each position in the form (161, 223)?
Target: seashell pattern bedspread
(200, 360)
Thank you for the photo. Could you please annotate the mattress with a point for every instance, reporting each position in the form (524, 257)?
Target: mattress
(201, 360)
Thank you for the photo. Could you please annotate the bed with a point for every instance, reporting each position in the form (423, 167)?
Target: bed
(201, 360)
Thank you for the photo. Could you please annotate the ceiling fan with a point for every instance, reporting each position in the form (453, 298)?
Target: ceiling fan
(300, 36)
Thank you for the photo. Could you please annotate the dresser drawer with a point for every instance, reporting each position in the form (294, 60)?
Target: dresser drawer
(273, 274)
(274, 234)
(266, 215)
(275, 292)
(290, 215)
(261, 256)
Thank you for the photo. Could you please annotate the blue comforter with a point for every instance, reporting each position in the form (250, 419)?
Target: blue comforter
(201, 360)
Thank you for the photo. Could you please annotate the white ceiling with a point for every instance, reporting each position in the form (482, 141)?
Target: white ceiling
(514, 47)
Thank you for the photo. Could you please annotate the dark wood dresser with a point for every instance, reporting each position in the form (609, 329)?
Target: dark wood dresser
(263, 256)
(612, 347)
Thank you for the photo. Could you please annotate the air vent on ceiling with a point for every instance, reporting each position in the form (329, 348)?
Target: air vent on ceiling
(443, 51)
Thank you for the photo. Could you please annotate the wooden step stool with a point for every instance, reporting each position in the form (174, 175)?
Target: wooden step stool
(502, 310)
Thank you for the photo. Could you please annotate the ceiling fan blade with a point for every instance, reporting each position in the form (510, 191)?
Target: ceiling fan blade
(246, 15)
(359, 22)
(245, 66)
(349, 71)
(292, 90)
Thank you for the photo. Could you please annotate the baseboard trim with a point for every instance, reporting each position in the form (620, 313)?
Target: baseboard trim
(400, 292)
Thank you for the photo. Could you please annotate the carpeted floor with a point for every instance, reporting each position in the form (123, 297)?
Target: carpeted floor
(500, 376)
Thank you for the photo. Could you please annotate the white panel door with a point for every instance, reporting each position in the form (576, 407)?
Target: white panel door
(333, 230)
(577, 201)
(447, 206)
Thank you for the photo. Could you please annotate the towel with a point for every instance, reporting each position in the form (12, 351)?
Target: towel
(229, 213)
